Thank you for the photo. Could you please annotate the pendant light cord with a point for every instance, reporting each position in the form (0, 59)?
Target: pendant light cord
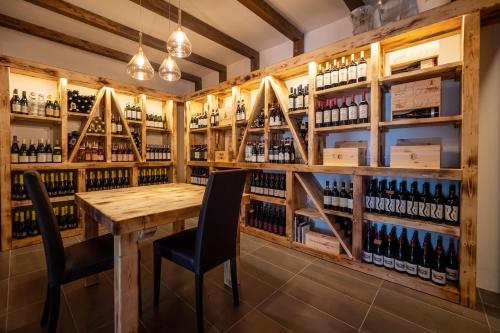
(141, 28)
(180, 13)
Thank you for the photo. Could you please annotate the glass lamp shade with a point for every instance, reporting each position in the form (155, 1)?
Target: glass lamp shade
(169, 71)
(139, 67)
(178, 44)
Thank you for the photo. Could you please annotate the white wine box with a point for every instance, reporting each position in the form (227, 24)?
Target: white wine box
(322, 242)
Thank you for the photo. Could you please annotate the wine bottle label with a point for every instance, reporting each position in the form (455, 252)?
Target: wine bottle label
(291, 102)
(334, 77)
(335, 115)
(353, 112)
(369, 202)
(319, 117)
(41, 158)
(327, 116)
(390, 205)
(23, 159)
(252, 189)
(451, 213)
(113, 157)
(58, 158)
(424, 209)
(299, 103)
(24, 109)
(319, 81)
(335, 201)
(32, 159)
(48, 158)
(400, 265)
(438, 277)
(349, 204)
(343, 202)
(363, 111)
(401, 206)
(424, 272)
(411, 268)
(265, 191)
(451, 274)
(437, 211)
(352, 73)
(367, 257)
(343, 114)
(283, 194)
(378, 259)
(16, 107)
(412, 208)
(343, 75)
(388, 262)
(361, 69)
(306, 101)
(327, 200)
(326, 80)
(14, 158)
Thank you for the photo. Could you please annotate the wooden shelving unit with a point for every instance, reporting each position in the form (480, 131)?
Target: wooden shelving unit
(265, 198)
(24, 203)
(39, 119)
(343, 128)
(446, 71)
(345, 89)
(401, 123)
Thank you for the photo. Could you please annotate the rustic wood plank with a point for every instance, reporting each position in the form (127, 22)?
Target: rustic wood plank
(470, 127)
(5, 176)
(108, 141)
(62, 86)
(401, 123)
(375, 104)
(358, 205)
(171, 108)
(452, 69)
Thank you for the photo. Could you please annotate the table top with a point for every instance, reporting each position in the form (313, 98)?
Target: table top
(136, 208)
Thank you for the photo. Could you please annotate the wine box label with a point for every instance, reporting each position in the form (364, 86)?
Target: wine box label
(424, 272)
(378, 259)
(438, 277)
(389, 262)
(411, 268)
(367, 257)
(400, 265)
(451, 274)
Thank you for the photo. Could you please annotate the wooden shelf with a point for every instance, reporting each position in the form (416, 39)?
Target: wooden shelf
(120, 136)
(221, 127)
(156, 164)
(319, 253)
(337, 213)
(97, 135)
(33, 118)
(298, 113)
(309, 212)
(402, 123)
(256, 130)
(445, 71)
(343, 128)
(18, 243)
(269, 236)
(87, 165)
(198, 130)
(134, 122)
(345, 89)
(78, 115)
(242, 123)
(264, 198)
(413, 223)
(282, 128)
(198, 163)
(158, 130)
(28, 202)
(40, 166)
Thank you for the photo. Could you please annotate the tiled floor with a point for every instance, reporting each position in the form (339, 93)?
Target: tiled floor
(281, 291)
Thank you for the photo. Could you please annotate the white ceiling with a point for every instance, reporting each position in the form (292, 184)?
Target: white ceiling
(229, 16)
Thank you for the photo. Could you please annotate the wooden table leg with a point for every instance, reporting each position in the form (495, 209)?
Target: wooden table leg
(178, 226)
(126, 283)
(90, 230)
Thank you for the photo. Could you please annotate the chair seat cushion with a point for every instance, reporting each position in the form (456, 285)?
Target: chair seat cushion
(178, 248)
(89, 257)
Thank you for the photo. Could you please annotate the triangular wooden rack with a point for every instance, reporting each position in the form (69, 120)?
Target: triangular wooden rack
(313, 190)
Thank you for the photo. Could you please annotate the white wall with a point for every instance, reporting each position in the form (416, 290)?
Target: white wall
(488, 243)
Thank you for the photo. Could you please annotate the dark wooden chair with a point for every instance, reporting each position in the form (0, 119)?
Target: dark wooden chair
(212, 242)
(64, 264)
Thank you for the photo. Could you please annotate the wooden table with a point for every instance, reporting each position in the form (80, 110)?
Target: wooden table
(127, 213)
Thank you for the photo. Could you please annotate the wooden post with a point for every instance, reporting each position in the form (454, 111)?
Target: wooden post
(471, 26)
(107, 120)
(312, 148)
(267, 100)
(173, 137)
(235, 96)
(144, 133)
(62, 87)
(375, 104)
(5, 177)
(357, 216)
(290, 205)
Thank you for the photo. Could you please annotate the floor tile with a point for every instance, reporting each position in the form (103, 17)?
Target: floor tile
(27, 262)
(339, 279)
(267, 272)
(2, 323)
(291, 252)
(174, 276)
(490, 297)
(256, 321)
(425, 314)
(493, 316)
(353, 274)
(4, 264)
(4, 287)
(337, 304)
(379, 321)
(281, 259)
(26, 289)
(249, 243)
(27, 249)
(110, 328)
(300, 317)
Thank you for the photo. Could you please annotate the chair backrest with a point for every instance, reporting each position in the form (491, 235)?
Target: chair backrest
(218, 221)
(51, 237)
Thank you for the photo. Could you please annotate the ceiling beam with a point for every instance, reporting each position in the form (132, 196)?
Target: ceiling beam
(353, 4)
(59, 37)
(267, 13)
(161, 8)
(82, 15)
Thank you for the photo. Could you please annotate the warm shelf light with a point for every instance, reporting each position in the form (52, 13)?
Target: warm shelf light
(178, 43)
(169, 71)
(139, 66)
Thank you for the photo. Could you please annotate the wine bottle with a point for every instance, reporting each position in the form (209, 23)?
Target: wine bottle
(437, 205)
(327, 196)
(379, 246)
(421, 113)
(353, 111)
(319, 114)
(319, 79)
(413, 256)
(24, 104)
(451, 262)
(426, 259)
(363, 116)
(412, 202)
(334, 74)
(451, 207)
(343, 198)
(14, 151)
(401, 199)
(349, 199)
(291, 101)
(335, 113)
(344, 114)
(335, 197)
(361, 74)
(327, 82)
(57, 154)
(390, 249)
(424, 203)
(327, 114)
(32, 152)
(438, 274)
(368, 246)
(401, 253)
(390, 200)
(370, 197)
(381, 196)
(343, 73)
(15, 102)
(352, 71)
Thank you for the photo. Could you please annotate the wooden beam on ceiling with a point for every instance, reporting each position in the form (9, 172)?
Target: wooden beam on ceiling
(161, 8)
(80, 14)
(267, 13)
(353, 4)
(59, 37)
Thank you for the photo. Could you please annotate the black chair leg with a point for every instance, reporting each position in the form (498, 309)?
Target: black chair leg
(45, 313)
(55, 297)
(157, 278)
(199, 302)
(234, 282)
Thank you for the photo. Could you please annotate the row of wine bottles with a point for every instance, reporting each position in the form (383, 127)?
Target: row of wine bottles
(268, 217)
(57, 183)
(276, 116)
(107, 179)
(97, 126)
(241, 110)
(199, 176)
(269, 184)
(298, 99)
(338, 200)
(280, 151)
(156, 121)
(35, 105)
(25, 223)
(153, 176)
(132, 111)
(341, 73)
(423, 260)
(328, 113)
(90, 151)
(425, 206)
(158, 153)
(259, 121)
(199, 152)
(43, 153)
(80, 103)
(199, 120)
(122, 152)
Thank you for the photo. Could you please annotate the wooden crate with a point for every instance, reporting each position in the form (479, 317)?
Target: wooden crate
(349, 156)
(416, 95)
(416, 157)
(322, 242)
(221, 156)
